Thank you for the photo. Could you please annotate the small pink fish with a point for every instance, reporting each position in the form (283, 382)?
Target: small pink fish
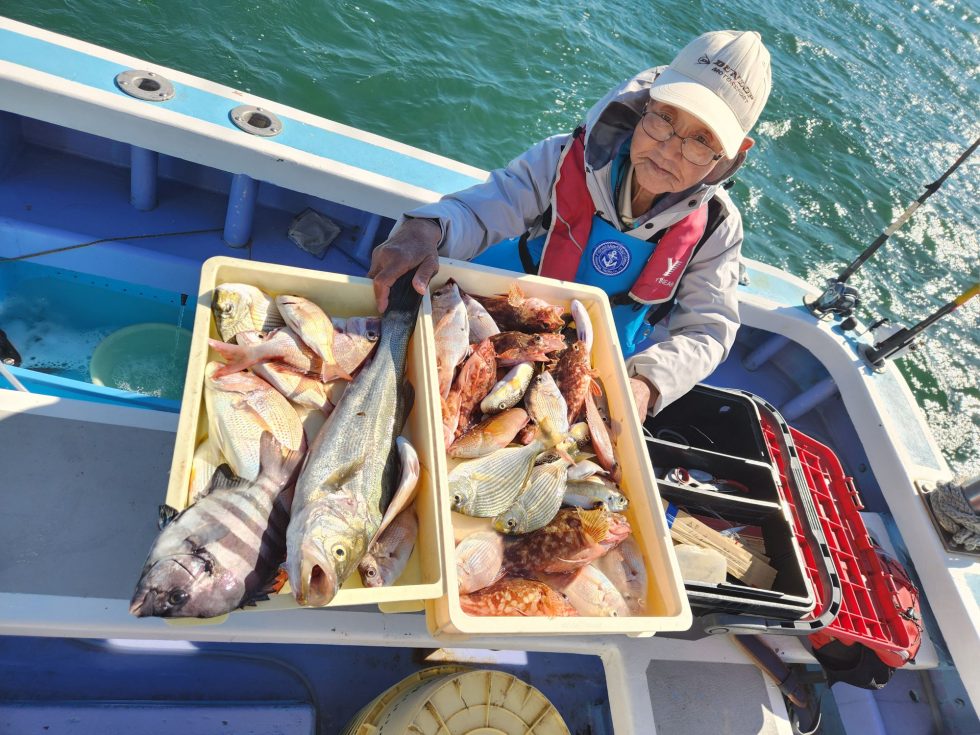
(515, 347)
(451, 332)
(280, 345)
(489, 435)
(515, 596)
(518, 312)
(482, 325)
(625, 569)
(356, 341)
(589, 591)
(479, 561)
(601, 441)
(314, 327)
(388, 556)
(474, 381)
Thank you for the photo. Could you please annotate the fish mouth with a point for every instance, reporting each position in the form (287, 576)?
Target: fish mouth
(317, 583)
(136, 605)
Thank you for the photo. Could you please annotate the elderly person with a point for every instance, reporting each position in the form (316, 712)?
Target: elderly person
(633, 201)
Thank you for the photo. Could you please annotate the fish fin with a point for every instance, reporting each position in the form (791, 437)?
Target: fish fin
(595, 523)
(343, 473)
(405, 493)
(225, 479)
(236, 357)
(276, 460)
(332, 371)
(515, 296)
(594, 389)
(166, 515)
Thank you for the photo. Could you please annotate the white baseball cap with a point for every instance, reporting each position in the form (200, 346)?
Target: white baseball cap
(723, 78)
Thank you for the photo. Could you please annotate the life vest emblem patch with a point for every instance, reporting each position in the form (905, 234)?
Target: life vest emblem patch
(610, 258)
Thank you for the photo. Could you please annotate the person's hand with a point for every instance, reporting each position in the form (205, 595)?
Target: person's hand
(414, 245)
(644, 394)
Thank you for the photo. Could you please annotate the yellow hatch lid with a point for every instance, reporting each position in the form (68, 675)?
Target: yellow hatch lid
(449, 701)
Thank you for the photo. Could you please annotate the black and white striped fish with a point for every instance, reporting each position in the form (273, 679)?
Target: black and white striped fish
(224, 551)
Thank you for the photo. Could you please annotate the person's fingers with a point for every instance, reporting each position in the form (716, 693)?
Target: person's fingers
(426, 270)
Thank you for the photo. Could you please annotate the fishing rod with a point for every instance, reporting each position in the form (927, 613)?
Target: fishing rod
(841, 299)
(901, 339)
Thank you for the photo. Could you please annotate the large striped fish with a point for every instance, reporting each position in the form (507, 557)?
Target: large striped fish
(224, 551)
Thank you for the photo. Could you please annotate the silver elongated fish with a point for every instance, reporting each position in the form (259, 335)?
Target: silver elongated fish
(351, 468)
(539, 502)
(595, 493)
(223, 551)
(489, 485)
(509, 390)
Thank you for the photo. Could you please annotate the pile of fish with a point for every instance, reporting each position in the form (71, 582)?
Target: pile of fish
(303, 468)
(532, 455)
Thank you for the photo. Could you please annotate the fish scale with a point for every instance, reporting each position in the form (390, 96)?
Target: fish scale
(538, 503)
(350, 472)
(240, 407)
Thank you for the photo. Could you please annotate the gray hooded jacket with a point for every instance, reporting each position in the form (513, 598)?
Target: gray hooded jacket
(700, 330)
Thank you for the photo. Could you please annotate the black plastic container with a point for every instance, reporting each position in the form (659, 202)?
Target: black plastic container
(715, 419)
(792, 595)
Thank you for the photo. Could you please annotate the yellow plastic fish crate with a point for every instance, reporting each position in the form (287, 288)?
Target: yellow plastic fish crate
(339, 296)
(667, 604)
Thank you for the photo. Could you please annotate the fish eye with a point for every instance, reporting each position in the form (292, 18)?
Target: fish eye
(177, 597)
(457, 499)
(339, 551)
(511, 523)
(227, 307)
(371, 572)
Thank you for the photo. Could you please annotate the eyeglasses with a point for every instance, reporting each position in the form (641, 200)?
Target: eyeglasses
(659, 128)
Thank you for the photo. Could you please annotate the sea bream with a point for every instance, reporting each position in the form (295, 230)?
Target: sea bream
(239, 307)
(240, 407)
(223, 551)
(315, 328)
(451, 333)
(352, 467)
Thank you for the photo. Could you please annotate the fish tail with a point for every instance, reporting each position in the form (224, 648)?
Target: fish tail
(277, 461)
(403, 297)
(237, 357)
(330, 372)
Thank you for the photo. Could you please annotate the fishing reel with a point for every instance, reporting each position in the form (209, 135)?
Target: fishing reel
(838, 298)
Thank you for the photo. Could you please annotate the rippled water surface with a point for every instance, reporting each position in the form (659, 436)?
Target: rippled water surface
(872, 100)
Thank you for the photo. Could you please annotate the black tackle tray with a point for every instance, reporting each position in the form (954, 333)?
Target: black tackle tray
(722, 421)
(792, 595)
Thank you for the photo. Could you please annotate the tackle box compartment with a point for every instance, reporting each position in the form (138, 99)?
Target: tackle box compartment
(792, 594)
(746, 478)
(341, 296)
(667, 605)
(716, 419)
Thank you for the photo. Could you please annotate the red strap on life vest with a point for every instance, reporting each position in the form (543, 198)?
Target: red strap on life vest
(572, 212)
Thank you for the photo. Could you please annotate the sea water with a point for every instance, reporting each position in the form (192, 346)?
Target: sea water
(871, 100)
